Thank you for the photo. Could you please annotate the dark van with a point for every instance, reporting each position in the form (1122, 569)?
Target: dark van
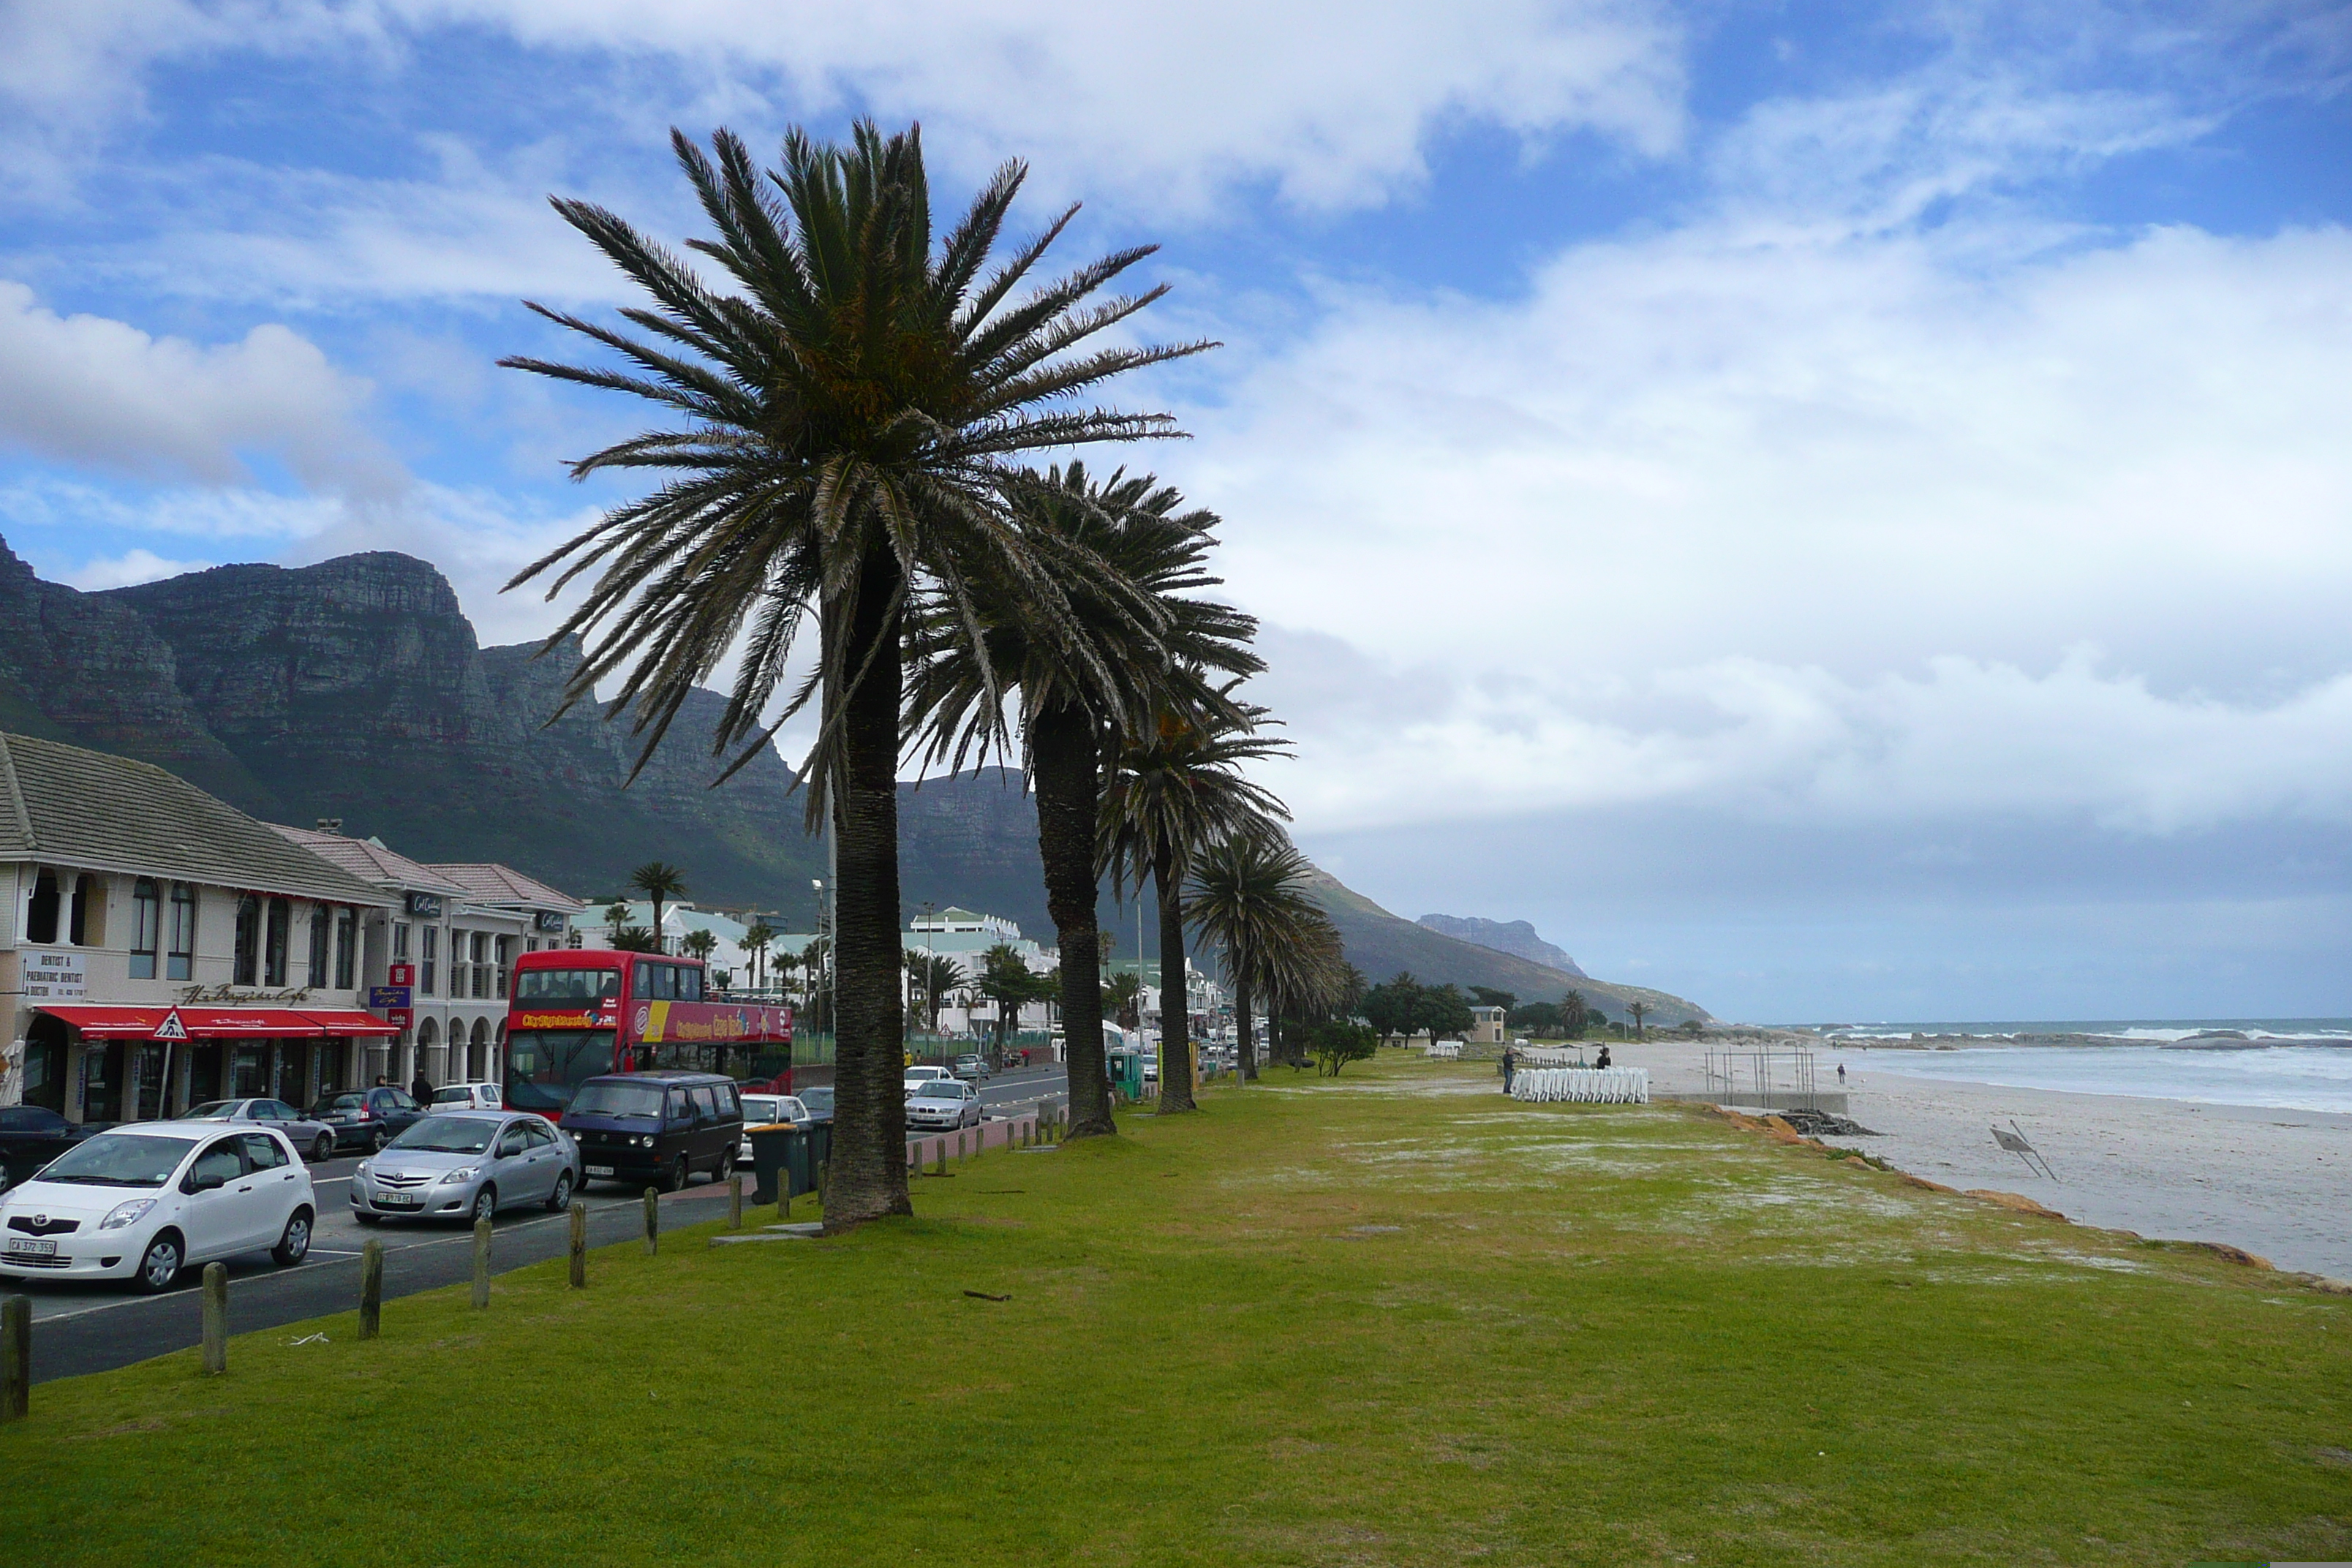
(656, 1128)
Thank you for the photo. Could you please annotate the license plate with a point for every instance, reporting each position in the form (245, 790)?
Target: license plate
(395, 1201)
(600, 1170)
(24, 1247)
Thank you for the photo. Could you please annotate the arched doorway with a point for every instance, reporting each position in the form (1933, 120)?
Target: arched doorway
(477, 1059)
(428, 1048)
(45, 1063)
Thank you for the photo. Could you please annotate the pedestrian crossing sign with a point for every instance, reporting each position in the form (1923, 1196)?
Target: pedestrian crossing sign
(171, 1028)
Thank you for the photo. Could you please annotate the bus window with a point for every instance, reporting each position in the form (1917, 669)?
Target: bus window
(567, 984)
(689, 984)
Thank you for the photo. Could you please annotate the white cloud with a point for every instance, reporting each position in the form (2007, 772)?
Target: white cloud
(92, 391)
(133, 567)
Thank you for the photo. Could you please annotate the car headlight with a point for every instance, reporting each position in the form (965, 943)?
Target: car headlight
(462, 1174)
(123, 1213)
(646, 1140)
(364, 1169)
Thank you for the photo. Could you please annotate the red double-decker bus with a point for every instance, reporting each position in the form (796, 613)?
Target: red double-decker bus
(575, 1013)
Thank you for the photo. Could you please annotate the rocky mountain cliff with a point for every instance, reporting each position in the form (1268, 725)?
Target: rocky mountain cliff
(1517, 938)
(355, 688)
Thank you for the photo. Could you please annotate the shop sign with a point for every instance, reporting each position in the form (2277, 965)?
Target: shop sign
(54, 976)
(388, 996)
(425, 905)
(399, 1018)
(402, 973)
(547, 921)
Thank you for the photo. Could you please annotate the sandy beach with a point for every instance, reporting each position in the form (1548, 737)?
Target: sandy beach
(2275, 1182)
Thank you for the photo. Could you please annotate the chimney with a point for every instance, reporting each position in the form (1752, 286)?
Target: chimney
(330, 825)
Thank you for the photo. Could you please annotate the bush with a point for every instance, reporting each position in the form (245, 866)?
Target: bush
(1337, 1042)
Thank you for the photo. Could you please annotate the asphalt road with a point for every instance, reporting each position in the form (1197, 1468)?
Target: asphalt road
(94, 1328)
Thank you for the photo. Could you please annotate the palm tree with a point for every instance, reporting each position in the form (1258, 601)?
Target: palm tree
(1176, 792)
(935, 974)
(1249, 895)
(1125, 993)
(634, 939)
(1139, 654)
(699, 943)
(658, 880)
(1006, 980)
(1637, 1010)
(851, 423)
(758, 937)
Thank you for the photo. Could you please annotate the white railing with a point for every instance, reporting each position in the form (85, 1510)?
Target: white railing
(1592, 1085)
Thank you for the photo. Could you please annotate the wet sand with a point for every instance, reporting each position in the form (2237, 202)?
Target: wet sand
(2275, 1182)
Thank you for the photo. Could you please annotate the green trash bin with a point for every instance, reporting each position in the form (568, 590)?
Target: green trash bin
(773, 1151)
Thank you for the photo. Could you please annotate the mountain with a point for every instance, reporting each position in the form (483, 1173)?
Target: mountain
(355, 688)
(1517, 938)
(1381, 944)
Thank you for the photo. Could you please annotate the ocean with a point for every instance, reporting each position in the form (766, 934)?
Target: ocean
(2293, 1063)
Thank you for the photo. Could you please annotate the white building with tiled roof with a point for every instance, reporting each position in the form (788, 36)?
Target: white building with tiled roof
(160, 948)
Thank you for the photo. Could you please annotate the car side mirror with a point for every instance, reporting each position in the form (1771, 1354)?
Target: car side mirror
(206, 1181)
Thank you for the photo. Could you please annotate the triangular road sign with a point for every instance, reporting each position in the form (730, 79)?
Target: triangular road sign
(171, 1028)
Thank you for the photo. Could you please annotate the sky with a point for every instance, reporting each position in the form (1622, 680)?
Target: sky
(1840, 511)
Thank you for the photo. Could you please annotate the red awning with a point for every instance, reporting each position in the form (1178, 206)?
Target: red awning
(113, 1023)
(248, 1023)
(350, 1021)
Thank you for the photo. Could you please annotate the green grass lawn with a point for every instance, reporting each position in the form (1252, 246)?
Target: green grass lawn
(1394, 1319)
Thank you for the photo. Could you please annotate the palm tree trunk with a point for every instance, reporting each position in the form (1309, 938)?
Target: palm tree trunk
(869, 1174)
(1065, 766)
(1246, 1041)
(1175, 1019)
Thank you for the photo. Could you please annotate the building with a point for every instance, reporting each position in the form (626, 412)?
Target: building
(1489, 1026)
(451, 941)
(160, 948)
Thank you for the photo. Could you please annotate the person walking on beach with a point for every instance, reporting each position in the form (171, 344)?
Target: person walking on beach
(1840, 1074)
(1510, 1062)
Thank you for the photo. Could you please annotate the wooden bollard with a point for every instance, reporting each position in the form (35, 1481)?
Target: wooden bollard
(653, 1221)
(941, 1168)
(579, 1245)
(734, 1200)
(481, 1264)
(16, 1358)
(371, 1289)
(216, 1317)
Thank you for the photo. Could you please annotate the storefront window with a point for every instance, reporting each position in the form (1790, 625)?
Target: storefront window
(180, 959)
(146, 928)
(282, 925)
(247, 968)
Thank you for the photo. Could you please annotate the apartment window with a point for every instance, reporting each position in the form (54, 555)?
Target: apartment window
(246, 966)
(429, 944)
(506, 960)
(323, 936)
(179, 957)
(281, 931)
(41, 919)
(400, 941)
(146, 926)
(482, 964)
(347, 948)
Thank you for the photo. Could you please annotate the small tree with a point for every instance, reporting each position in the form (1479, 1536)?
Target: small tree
(1394, 1007)
(1443, 1010)
(1336, 1042)
(1574, 1016)
(1124, 993)
(1005, 979)
(634, 939)
(1487, 996)
(1637, 1011)
(659, 881)
(1537, 1017)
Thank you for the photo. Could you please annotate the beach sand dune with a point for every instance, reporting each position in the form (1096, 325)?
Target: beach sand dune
(2277, 1184)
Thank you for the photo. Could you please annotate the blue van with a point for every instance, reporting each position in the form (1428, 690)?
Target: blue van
(656, 1128)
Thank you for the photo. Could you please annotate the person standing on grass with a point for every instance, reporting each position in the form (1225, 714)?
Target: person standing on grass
(1510, 1063)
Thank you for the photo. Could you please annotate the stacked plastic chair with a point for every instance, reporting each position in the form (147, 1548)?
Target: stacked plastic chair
(1584, 1086)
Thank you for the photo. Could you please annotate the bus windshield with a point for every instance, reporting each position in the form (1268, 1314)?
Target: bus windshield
(567, 984)
(546, 1066)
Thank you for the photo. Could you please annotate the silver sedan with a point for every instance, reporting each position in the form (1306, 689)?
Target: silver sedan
(315, 1140)
(468, 1164)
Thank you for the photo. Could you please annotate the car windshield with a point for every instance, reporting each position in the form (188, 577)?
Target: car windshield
(762, 1108)
(447, 1135)
(567, 984)
(341, 1103)
(120, 1160)
(817, 1101)
(618, 1099)
(939, 1088)
(215, 1110)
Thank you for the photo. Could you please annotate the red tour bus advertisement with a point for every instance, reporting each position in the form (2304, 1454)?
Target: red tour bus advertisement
(576, 1013)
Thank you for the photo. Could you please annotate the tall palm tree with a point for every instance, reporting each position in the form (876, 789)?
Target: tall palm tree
(1177, 791)
(758, 937)
(1124, 993)
(1142, 656)
(851, 419)
(935, 974)
(699, 943)
(658, 880)
(1249, 895)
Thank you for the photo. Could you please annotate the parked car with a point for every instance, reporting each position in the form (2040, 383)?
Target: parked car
(819, 1102)
(662, 1127)
(913, 1076)
(368, 1118)
(141, 1201)
(33, 1135)
(316, 1139)
(468, 1097)
(466, 1164)
(972, 1067)
(766, 1110)
(944, 1103)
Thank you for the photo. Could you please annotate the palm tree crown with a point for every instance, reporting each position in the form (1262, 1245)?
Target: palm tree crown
(1249, 895)
(658, 880)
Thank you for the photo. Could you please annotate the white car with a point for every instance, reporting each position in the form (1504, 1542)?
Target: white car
(914, 1076)
(468, 1097)
(942, 1102)
(141, 1203)
(766, 1110)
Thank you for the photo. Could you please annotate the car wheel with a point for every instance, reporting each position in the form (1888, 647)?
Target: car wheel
(379, 1138)
(485, 1205)
(295, 1245)
(323, 1150)
(678, 1177)
(159, 1265)
(725, 1167)
(366, 1218)
(560, 1198)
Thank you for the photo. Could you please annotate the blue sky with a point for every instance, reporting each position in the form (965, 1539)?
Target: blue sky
(1838, 511)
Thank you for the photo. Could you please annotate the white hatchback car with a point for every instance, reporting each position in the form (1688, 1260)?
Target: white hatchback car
(468, 1097)
(142, 1202)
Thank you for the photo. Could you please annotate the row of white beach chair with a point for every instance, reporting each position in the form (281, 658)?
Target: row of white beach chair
(1589, 1086)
